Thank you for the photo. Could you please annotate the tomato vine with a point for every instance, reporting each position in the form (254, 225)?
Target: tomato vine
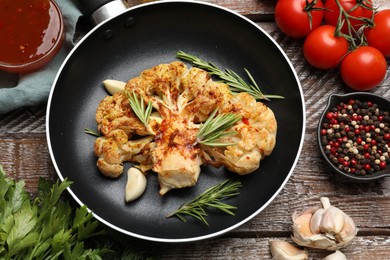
(340, 33)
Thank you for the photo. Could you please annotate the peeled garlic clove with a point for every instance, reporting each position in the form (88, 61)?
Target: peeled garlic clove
(282, 250)
(114, 86)
(136, 184)
(336, 256)
(327, 228)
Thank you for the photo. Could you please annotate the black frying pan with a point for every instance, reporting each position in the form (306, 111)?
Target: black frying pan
(141, 38)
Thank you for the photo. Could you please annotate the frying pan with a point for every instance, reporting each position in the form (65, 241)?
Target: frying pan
(140, 38)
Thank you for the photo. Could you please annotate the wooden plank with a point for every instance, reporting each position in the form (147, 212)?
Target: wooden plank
(27, 121)
(27, 159)
(255, 9)
(363, 248)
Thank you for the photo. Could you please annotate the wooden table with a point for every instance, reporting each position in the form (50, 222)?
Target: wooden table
(24, 155)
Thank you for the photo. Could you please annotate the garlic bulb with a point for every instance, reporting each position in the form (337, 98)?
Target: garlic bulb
(325, 228)
(336, 256)
(282, 250)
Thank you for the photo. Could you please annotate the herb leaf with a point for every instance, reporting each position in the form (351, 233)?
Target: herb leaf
(91, 132)
(211, 198)
(47, 227)
(235, 82)
(214, 129)
(138, 106)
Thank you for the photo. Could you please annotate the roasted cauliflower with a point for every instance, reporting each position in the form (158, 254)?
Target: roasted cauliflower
(182, 100)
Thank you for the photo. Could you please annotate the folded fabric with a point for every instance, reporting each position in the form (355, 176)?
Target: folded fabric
(33, 89)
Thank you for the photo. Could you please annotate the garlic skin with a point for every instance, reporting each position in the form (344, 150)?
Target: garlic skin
(114, 86)
(336, 256)
(282, 250)
(323, 228)
(136, 184)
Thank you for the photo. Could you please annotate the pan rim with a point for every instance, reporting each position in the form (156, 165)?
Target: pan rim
(196, 238)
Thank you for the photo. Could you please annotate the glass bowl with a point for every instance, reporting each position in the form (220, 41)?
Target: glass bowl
(32, 33)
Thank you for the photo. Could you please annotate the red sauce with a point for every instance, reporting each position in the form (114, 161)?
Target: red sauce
(31, 33)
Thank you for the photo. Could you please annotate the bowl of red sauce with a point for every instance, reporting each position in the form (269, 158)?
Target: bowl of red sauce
(31, 33)
(354, 135)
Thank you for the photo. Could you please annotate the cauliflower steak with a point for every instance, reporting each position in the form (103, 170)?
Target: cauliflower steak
(182, 100)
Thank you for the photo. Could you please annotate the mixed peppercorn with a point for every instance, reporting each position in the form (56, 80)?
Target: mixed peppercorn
(356, 137)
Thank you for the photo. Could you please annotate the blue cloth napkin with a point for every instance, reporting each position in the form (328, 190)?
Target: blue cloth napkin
(33, 89)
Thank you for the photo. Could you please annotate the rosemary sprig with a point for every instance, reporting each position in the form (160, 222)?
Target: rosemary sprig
(138, 106)
(211, 198)
(235, 82)
(214, 129)
(91, 132)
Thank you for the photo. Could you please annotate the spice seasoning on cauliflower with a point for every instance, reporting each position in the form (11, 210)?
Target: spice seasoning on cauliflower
(182, 100)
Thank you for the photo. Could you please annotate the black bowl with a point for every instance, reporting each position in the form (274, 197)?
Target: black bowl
(335, 99)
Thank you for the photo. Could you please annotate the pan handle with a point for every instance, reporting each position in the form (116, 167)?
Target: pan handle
(100, 10)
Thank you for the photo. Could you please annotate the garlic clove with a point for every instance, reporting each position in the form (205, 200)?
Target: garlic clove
(337, 255)
(332, 221)
(315, 221)
(136, 184)
(349, 230)
(282, 250)
(114, 86)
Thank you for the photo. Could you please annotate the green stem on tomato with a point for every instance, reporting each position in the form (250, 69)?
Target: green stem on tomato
(344, 17)
(309, 7)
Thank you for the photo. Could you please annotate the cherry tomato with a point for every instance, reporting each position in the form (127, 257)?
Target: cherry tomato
(364, 68)
(363, 10)
(379, 35)
(292, 16)
(322, 49)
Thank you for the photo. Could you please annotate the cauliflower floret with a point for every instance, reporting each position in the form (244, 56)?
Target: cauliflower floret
(114, 112)
(212, 95)
(116, 149)
(192, 84)
(258, 115)
(255, 136)
(243, 157)
(160, 84)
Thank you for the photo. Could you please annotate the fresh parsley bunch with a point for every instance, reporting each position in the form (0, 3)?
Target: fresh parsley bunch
(47, 227)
